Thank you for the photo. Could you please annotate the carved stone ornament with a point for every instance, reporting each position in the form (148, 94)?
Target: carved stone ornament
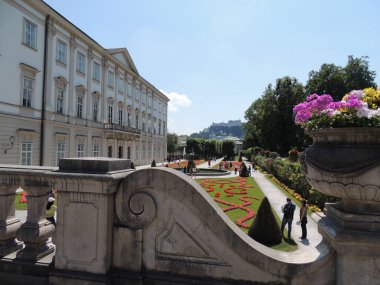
(345, 163)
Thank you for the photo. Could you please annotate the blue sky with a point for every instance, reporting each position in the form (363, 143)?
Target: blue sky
(215, 57)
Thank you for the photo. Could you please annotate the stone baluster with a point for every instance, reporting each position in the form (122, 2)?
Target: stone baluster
(36, 231)
(9, 224)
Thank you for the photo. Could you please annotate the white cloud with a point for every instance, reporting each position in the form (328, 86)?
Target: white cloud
(177, 101)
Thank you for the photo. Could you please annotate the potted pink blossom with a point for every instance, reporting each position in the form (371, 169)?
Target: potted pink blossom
(344, 159)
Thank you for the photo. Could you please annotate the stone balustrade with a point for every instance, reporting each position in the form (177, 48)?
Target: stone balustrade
(116, 225)
(31, 239)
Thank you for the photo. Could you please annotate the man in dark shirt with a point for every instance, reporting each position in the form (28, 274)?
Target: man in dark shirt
(288, 210)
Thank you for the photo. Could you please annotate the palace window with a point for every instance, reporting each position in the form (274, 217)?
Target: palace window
(96, 71)
(26, 153)
(30, 34)
(120, 85)
(137, 121)
(60, 92)
(120, 117)
(80, 107)
(81, 64)
(60, 151)
(95, 150)
(80, 150)
(110, 114)
(61, 51)
(27, 94)
(95, 110)
(111, 79)
(120, 152)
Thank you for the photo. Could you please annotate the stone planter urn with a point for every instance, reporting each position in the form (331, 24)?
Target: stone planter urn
(345, 163)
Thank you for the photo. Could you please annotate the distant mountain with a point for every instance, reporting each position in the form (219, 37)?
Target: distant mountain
(219, 131)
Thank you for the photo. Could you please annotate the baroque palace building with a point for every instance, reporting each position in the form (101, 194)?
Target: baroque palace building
(64, 95)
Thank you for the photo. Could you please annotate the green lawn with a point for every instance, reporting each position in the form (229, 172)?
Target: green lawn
(253, 195)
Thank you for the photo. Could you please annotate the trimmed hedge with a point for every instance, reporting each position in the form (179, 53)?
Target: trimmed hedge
(290, 174)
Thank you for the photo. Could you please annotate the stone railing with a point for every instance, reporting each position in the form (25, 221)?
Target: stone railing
(122, 128)
(156, 224)
(34, 236)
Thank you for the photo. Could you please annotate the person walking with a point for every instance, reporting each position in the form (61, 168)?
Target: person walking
(288, 210)
(50, 210)
(236, 168)
(303, 219)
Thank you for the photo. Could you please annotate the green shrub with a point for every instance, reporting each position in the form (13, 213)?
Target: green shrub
(133, 165)
(290, 174)
(153, 163)
(265, 228)
(274, 155)
(293, 155)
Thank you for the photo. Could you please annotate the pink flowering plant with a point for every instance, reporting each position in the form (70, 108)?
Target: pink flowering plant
(359, 108)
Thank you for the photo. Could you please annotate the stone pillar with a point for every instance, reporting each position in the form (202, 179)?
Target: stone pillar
(86, 194)
(9, 224)
(345, 163)
(36, 231)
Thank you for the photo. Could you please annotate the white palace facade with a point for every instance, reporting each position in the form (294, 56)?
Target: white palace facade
(64, 95)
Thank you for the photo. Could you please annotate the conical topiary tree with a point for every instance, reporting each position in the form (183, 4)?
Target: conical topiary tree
(265, 228)
(244, 170)
(133, 165)
(153, 163)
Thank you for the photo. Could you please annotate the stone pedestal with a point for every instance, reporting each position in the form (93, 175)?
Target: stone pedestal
(36, 231)
(345, 163)
(86, 193)
(356, 239)
(9, 224)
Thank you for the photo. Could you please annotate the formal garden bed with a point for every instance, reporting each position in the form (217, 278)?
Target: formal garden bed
(240, 199)
(20, 201)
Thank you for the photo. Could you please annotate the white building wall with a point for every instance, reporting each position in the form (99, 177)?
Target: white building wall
(18, 123)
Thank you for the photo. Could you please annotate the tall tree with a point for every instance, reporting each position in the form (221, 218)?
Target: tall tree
(330, 79)
(288, 92)
(172, 142)
(358, 75)
(270, 118)
(338, 81)
(228, 147)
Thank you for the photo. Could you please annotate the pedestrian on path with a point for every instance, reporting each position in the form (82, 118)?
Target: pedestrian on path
(50, 210)
(193, 172)
(288, 210)
(303, 219)
(249, 170)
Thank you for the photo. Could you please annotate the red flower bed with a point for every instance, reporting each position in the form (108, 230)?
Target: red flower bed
(232, 187)
(183, 163)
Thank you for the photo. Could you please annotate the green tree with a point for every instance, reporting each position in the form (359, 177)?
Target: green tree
(228, 147)
(288, 92)
(329, 79)
(172, 142)
(338, 81)
(358, 75)
(210, 148)
(194, 146)
(270, 123)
